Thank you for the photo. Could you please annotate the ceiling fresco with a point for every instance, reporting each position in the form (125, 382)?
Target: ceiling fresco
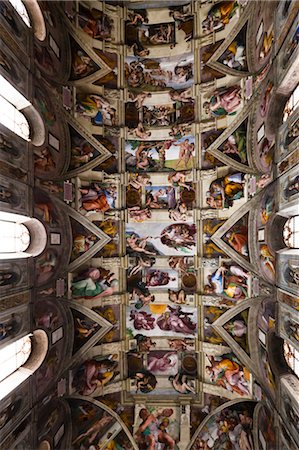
(156, 187)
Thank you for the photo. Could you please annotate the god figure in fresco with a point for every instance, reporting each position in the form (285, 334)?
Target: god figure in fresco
(224, 191)
(179, 234)
(177, 321)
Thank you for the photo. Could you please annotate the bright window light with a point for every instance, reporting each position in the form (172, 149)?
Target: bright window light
(11, 102)
(14, 356)
(13, 119)
(292, 104)
(292, 357)
(12, 95)
(14, 237)
(291, 232)
(21, 10)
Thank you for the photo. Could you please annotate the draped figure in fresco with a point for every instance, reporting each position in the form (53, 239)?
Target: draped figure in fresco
(223, 191)
(235, 146)
(96, 24)
(95, 373)
(227, 373)
(94, 283)
(153, 429)
(235, 56)
(223, 102)
(82, 153)
(230, 282)
(219, 16)
(98, 198)
(96, 108)
(142, 320)
(82, 64)
(82, 243)
(238, 239)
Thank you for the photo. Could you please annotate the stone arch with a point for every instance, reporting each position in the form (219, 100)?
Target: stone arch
(37, 19)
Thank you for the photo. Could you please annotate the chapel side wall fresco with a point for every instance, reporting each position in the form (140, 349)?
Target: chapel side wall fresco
(155, 184)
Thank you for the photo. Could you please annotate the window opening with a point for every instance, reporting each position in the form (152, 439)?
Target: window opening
(21, 10)
(11, 104)
(291, 104)
(292, 357)
(291, 232)
(14, 237)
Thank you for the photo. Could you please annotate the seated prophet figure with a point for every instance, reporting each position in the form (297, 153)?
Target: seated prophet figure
(223, 102)
(238, 239)
(224, 191)
(97, 198)
(227, 373)
(235, 145)
(219, 16)
(228, 281)
(95, 373)
(94, 283)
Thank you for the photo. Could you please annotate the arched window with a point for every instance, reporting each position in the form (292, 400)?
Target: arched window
(21, 359)
(21, 10)
(32, 16)
(291, 232)
(292, 357)
(20, 236)
(291, 104)
(14, 356)
(14, 237)
(11, 104)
